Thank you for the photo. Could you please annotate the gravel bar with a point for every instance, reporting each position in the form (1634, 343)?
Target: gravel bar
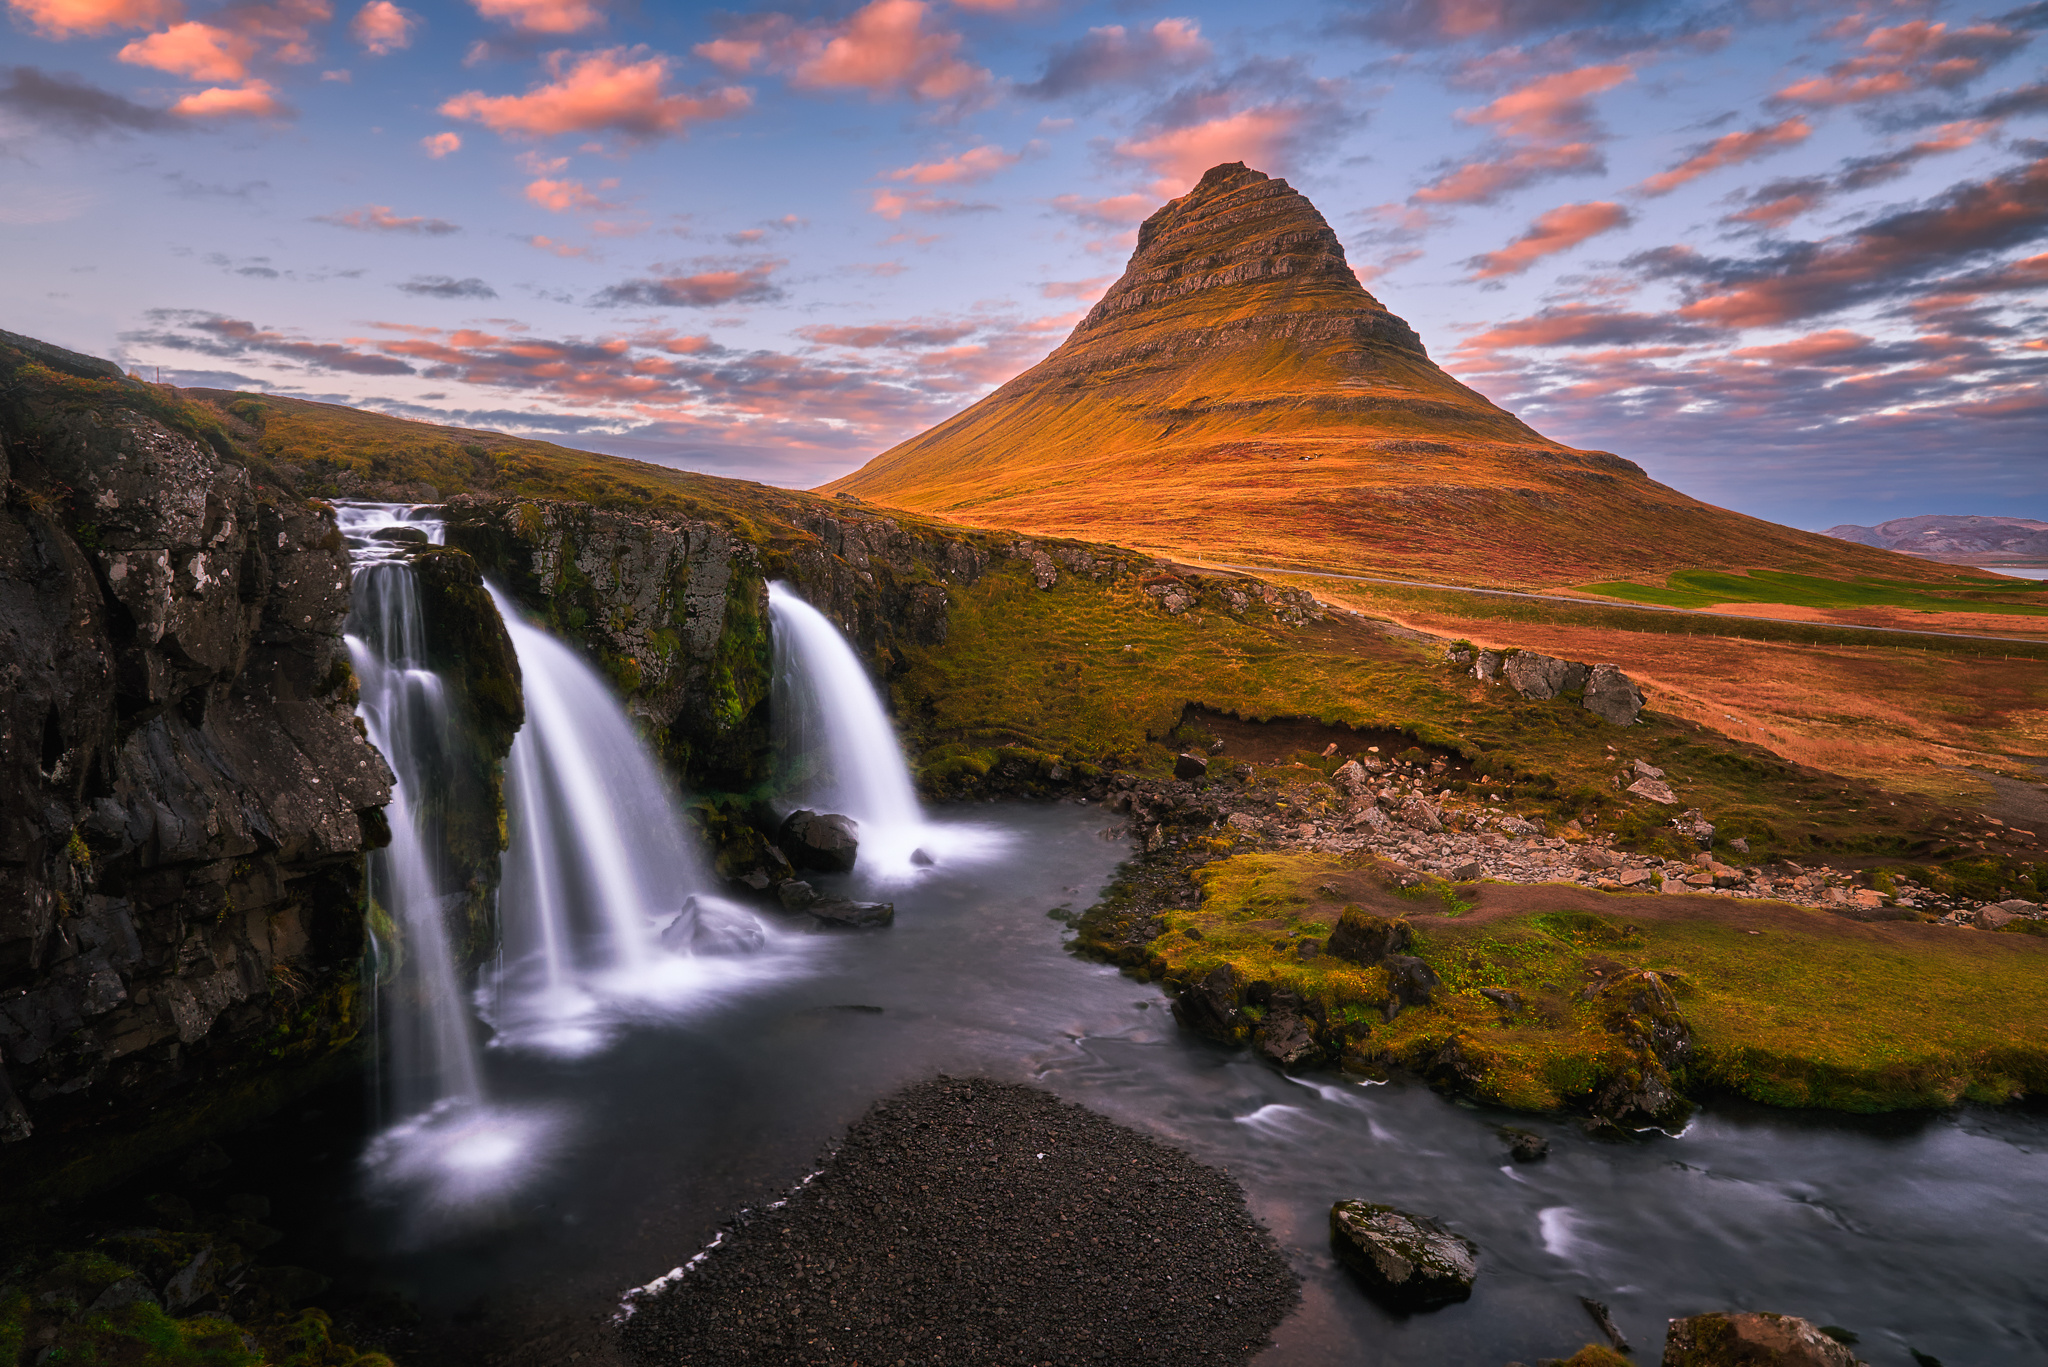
(969, 1221)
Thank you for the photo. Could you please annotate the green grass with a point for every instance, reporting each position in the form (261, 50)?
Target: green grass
(1705, 588)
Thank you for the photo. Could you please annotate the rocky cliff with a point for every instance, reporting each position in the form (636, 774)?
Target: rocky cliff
(1239, 396)
(185, 797)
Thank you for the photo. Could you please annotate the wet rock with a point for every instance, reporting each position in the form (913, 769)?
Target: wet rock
(839, 913)
(1366, 939)
(796, 895)
(1210, 1007)
(1285, 1038)
(1598, 1310)
(922, 860)
(1525, 1146)
(710, 926)
(1407, 1262)
(1612, 696)
(1190, 767)
(1640, 1011)
(823, 841)
(1751, 1340)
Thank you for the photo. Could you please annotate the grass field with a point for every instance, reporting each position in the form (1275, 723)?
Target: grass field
(1973, 593)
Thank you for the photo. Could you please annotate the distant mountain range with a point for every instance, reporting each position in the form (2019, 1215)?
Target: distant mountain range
(1238, 396)
(1961, 539)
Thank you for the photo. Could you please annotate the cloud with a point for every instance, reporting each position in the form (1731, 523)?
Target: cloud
(894, 204)
(198, 52)
(1906, 59)
(1430, 22)
(1559, 230)
(439, 145)
(379, 218)
(1880, 259)
(250, 100)
(1116, 56)
(543, 16)
(977, 163)
(1265, 137)
(1083, 291)
(705, 288)
(618, 90)
(382, 27)
(447, 287)
(1731, 149)
(212, 334)
(889, 334)
(883, 48)
(1544, 129)
(1116, 211)
(554, 247)
(1772, 205)
(67, 105)
(61, 19)
(563, 195)
(1579, 325)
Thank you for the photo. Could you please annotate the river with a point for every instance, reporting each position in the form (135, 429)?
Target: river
(1918, 1233)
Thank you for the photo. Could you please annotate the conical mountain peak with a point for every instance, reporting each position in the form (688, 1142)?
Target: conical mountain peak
(1238, 395)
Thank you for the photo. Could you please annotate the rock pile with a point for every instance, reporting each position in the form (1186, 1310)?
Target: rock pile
(1602, 689)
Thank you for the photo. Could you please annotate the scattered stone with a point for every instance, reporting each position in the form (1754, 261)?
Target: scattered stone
(1693, 824)
(1407, 1262)
(1739, 845)
(1525, 1146)
(1538, 678)
(1284, 1037)
(1468, 872)
(1366, 939)
(1309, 949)
(1505, 1000)
(1612, 696)
(128, 1291)
(839, 913)
(823, 841)
(1190, 767)
(1994, 918)
(1645, 770)
(1243, 821)
(1412, 981)
(1631, 878)
(1351, 780)
(1654, 790)
(1751, 1340)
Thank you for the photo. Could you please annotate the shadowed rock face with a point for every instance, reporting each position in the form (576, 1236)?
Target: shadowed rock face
(1238, 394)
(184, 795)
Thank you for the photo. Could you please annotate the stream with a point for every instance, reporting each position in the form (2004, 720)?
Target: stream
(1918, 1233)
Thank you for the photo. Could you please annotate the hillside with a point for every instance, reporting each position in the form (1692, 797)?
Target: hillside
(1238, 396)
(1967, 539)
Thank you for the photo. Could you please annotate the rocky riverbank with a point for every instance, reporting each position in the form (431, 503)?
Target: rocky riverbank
(970, 1221)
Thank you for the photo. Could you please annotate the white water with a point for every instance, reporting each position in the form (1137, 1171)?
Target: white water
(604, 904)
(828, 716)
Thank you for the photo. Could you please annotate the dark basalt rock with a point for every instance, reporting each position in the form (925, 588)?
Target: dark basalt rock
(1751, 1340)
(1525, 1147)
(1286, 1039)
(1407, 1262)
(1411, 981)
(1210, 1007)
(1641, 1012)
(1190, 767)
(837, 913)
(1366, 939)
(823, 841)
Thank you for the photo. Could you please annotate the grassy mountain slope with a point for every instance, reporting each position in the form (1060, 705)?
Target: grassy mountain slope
(1238, 396)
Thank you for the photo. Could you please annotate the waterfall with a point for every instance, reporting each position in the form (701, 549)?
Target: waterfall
(831, 726)
(431, 1054)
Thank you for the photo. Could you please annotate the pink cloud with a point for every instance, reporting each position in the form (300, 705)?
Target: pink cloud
(382, 27)
(251, 100)
(555, 247)
(1483, 181)
(621, 90)
(1905, 58)
(975, 164)
(1552, 107)
(1731, 149)
(563, 195)
(379, 218)
(893, 204)
(198, 52)
(883, 48)
(1085, 291)
(543, 16)
(82, 18)
(1262, 137)
(895, 335)
(1558, 230)
(439, 145)
(711, 288)
(1116, 211)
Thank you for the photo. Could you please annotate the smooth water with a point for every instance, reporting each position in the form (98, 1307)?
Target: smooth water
(1917, 1233)
(841, 748)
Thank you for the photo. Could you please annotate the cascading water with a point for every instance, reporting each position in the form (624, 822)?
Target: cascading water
(832, 727)
(603, 904)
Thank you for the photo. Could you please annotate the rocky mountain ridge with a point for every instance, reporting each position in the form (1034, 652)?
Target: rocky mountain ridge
(1967, 539)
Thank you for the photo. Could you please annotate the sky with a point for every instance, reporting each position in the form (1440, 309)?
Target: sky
(1787, 255)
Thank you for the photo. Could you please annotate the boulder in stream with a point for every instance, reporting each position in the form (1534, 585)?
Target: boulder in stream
(1752, 1340)
(838, 913)
(1407, 1262)
(824, 841)
(709, 925)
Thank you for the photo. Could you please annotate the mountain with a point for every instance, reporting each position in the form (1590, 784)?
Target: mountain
(1239, 396)
(1963, 539)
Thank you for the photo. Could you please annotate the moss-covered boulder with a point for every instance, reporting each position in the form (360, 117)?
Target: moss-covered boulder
(1407, 1262)
(1366, 939)
(1755, 1340)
